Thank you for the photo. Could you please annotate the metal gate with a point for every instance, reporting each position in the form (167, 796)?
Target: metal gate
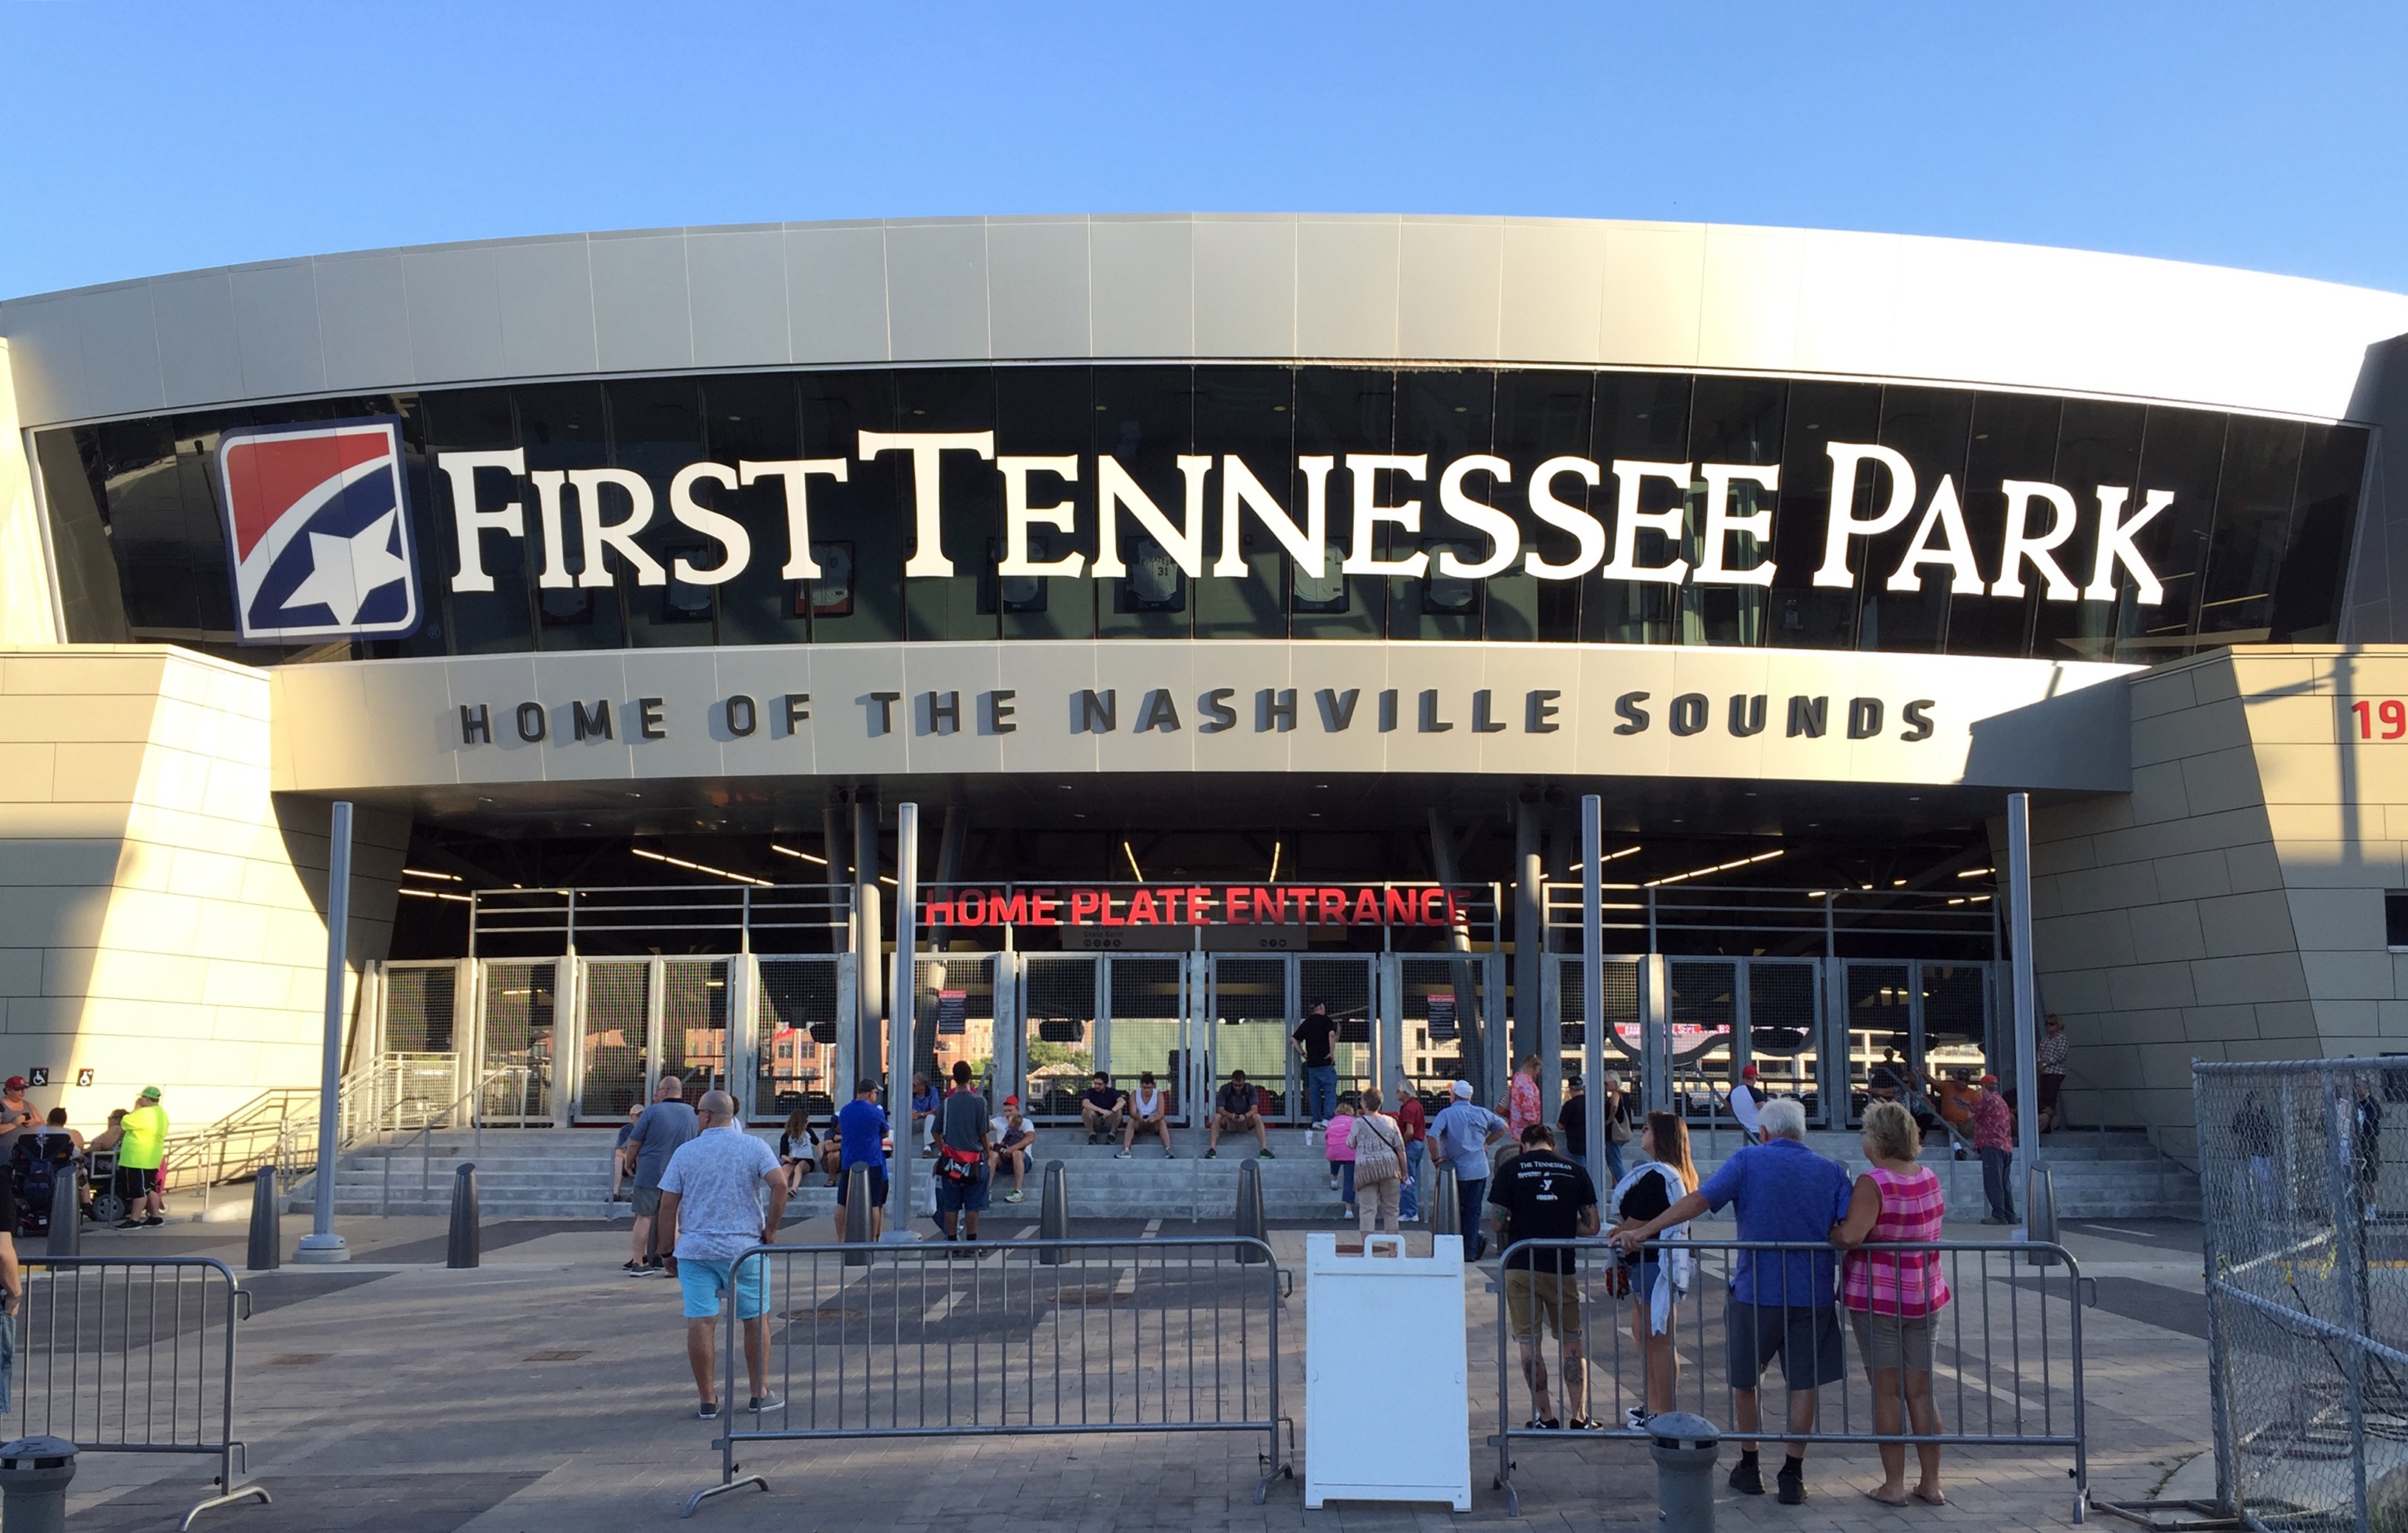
(1680, 1029)
(803, 1036)
(1905, 1018)
(517, 1041)
(1073, 1013)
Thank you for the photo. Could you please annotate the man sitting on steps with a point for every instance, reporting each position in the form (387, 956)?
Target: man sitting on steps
(1238, 1110)
(1102, 1109)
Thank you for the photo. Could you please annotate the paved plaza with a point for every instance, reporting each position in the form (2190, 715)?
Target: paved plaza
(547, 1392)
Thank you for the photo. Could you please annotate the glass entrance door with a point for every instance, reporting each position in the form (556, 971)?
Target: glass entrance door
(1146, 1029)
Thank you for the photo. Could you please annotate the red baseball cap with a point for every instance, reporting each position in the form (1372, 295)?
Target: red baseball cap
(1747, 1073)
(1989, 1079)
(1012, 1101)
(16, 1082)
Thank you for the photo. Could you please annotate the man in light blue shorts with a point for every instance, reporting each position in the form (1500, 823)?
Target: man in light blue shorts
(711, 1207)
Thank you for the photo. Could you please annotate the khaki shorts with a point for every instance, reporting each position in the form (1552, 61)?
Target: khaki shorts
(1881, 1337)
(1551, 1297)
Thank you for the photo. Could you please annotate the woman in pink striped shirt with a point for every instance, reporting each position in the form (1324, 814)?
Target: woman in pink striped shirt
(1893, 1296)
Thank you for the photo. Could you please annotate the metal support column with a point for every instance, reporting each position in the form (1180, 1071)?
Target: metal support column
(1475, 1008)
(1593, 976)
(872, 940)
(321, 1244)
(743, 1063)
(906, 991)
(2019, 937)
(1388, 1037)
(1010, 1042)
(1529, 935)
(568, 1042)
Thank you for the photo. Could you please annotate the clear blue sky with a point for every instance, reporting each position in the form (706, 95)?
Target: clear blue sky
(141, 137)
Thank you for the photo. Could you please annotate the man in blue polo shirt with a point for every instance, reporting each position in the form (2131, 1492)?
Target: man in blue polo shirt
(1781, 1302)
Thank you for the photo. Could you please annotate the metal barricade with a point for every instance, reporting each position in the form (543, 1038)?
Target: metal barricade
(134, 1355)
(1017, 1337)
(2006, 1366)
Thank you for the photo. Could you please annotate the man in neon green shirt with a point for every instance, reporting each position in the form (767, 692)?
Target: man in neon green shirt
(138, 1154)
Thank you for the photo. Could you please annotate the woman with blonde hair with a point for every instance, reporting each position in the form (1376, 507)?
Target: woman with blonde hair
(1657, 1280)
(1892, 1297)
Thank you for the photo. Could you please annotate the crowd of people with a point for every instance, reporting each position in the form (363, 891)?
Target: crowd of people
(126, 1159)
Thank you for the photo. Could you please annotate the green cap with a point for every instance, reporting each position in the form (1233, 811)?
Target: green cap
(149, 1093)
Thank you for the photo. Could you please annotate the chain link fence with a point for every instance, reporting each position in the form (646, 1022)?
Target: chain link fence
(2306, 1247)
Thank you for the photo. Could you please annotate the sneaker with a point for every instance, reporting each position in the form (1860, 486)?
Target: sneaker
(1992, 1219)
(1168, 1154)
(1744, 1477)
(1214, 1153)
(1543, 1424)
(709, 1411)
(1585, 1424)
(1095, 1139)
(1792, 1481)
(1126, 1154)
(636, 1270)
(1267, 1154)
(1634, 1418)
(1015, 1195)
(759, 1403)
(153, 1222)
(1320, 1123)
(127, 1224)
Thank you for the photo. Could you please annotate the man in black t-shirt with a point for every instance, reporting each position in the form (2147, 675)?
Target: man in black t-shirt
(1314, 1038)
(1545, 1196)
(1101, 1106)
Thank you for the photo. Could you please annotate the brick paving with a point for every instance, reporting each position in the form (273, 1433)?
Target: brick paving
(545, 1393)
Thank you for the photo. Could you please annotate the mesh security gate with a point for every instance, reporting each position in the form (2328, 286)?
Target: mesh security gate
(803, 1036)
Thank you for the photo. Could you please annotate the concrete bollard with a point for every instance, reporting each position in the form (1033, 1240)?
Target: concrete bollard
(1445, 1205)
(856, 1215)
(465, 1243)
(66, 1213)
(1054, 1216)
(1684, 1448)
(1252, 1224)
(34, 1475)
(266, 1252)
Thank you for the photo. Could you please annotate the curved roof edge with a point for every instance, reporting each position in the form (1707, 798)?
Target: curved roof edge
(1203, 285)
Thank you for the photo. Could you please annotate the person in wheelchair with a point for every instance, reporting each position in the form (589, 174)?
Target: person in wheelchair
(40, 1158)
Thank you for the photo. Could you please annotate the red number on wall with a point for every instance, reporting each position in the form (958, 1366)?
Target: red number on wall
(2393, 714)
(2365, 712)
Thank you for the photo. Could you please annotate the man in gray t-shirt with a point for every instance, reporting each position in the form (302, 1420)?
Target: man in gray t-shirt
(964, 1134)
(665, 1124)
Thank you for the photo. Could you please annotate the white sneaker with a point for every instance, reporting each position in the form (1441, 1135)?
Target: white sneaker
(1124, 1154)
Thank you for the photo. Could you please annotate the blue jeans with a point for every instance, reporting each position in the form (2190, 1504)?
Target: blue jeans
(1995, 1184)
(1471, 1198)
(1320, 1093)
(1409, 1198)
(1346, 1182)
(1614, 1164)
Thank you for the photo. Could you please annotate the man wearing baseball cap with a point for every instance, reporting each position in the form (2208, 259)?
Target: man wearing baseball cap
(1459, 1137)
(139, 1156)
(1994, 1139)
(1016, 1141)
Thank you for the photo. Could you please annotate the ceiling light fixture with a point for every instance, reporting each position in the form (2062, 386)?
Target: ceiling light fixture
(1976, 872)
(790, 852)
(436, 893)
(422, 873)
(698, 868)
(1131, 855)
(1611, 856)
(1718, 867)
(1272, 877)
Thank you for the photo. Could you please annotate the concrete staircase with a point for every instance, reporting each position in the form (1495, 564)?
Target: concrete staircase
(564, 1174)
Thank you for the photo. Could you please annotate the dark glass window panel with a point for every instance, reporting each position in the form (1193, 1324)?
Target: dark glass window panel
(431, 537)
(500, 621)
(656, 429)
(1445, 415)
(1732, 419)
(951, 399)
(752, 417)
(1932, 429)
(2252, 523)
(566, 427)
(1248, 413)
(1145, 416)
(1049, 412)
(869, 512)
(2324, 518)
(1540, 415)
(92, 596)
(2395, 917)
(2181, 451)
(1802, 614)
(1339, 410)
(1645, 418)
(2097, 442)
(2014, 436)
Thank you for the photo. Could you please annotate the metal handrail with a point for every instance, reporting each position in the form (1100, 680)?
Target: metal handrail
(475, 1098)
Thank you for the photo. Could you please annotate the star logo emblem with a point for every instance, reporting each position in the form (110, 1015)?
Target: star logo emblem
(346, 571)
